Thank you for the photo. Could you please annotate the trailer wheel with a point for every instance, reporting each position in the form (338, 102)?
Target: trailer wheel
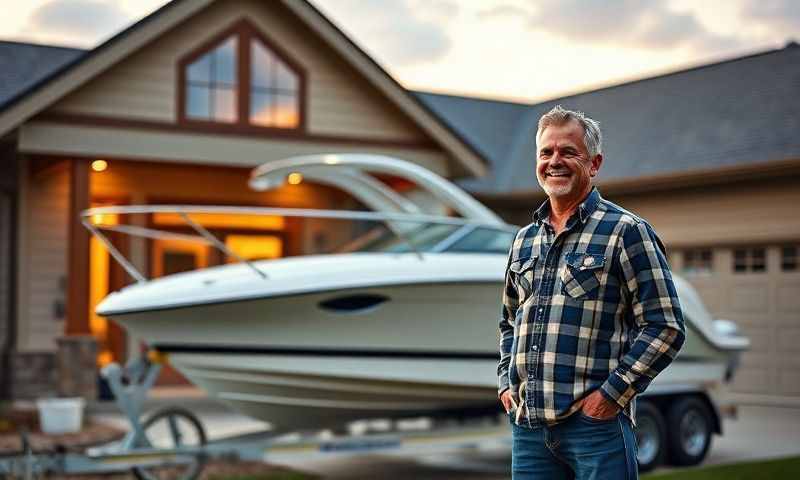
(651, 436)
(171, 428)
(690, 432)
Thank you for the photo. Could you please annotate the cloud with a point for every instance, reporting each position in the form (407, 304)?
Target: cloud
(783, 15)
(658, 30)
(80, 21)
(502, 11)
(400, 33)
(626, 23)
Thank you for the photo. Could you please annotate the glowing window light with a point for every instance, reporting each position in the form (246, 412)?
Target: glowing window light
(99, 165)
(104, 219)
(219, 220)
(254, 247)
(294, 178)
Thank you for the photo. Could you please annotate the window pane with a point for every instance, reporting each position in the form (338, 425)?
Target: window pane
(200, 70)
(211, 89)
(789, 259)
(758, 260)
(698, 261)
(261, 111)
(225, 62)
(740, 260)
(197, 103)
(285, 112)
(285, 79)
(262, 62)
(225, 104)
(273, 90)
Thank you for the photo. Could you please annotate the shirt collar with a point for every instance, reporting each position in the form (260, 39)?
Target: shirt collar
(585, 209)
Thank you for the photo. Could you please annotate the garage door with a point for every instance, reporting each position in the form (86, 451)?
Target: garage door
(758, 287)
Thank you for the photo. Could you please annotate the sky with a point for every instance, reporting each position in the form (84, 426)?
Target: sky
(515, 50)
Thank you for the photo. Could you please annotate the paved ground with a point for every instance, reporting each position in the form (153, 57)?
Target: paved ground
(758, 433)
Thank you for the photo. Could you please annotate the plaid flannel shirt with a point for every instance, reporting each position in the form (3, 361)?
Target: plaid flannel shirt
(594, 307)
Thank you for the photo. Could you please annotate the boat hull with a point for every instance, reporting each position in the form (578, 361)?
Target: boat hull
(425, 350)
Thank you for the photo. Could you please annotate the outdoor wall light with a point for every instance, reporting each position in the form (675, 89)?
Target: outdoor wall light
(99, 165)
(294, 178)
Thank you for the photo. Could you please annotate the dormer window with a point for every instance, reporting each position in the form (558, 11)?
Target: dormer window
(241, 79)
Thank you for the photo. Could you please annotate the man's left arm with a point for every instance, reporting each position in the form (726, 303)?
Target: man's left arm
(659, 330)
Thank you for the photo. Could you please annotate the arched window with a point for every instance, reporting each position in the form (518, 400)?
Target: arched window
(241, 80)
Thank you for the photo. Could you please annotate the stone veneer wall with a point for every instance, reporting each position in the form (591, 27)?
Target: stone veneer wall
(33, 375)
(71, 371)
(76, 361)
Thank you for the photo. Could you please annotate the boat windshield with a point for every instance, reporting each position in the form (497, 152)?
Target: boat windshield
(433, 238)
(483, 240)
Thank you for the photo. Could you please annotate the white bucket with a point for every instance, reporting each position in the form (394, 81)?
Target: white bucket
(60, 415)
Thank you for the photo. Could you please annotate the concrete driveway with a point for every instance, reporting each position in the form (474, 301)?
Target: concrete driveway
(758, 433)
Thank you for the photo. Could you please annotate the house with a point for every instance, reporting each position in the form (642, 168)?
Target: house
(201, 91)
(178, 108)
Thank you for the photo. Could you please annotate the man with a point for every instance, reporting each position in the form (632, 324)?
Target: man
(590, 316)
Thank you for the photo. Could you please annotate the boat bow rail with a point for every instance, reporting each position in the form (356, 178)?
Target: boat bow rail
(92, 220)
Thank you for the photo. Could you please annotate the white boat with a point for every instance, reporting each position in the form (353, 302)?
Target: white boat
(401, 324)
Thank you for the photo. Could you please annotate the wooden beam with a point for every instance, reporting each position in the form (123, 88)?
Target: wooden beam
(78, 252)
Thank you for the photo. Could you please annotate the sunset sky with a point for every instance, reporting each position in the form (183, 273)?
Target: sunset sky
(523, 50)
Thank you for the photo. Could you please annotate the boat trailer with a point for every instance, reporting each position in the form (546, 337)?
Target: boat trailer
(171, 442)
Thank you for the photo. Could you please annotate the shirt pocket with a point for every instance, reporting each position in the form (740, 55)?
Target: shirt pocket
(581, 275)
(522, 273)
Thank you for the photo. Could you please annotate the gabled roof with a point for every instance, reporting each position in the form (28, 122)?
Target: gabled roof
(23, 65)
(48, 87)
(740, 112)
(493, 127)
(744, 111)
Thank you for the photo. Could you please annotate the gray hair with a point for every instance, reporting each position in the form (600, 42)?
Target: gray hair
(592, 137)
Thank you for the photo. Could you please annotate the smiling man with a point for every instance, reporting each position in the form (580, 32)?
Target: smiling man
(590, 316)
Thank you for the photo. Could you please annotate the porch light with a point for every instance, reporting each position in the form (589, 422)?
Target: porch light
(99, 165)
(294, 178)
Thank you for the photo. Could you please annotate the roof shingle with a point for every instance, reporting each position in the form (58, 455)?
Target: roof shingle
(23, 65)
(740, 111)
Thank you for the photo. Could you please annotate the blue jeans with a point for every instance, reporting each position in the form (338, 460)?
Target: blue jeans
(580, 448)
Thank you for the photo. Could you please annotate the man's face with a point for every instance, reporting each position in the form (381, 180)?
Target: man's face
(563, 166)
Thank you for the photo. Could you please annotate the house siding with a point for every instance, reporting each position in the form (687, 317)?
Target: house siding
(743, 212)
(340, 101)
(45, 262)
